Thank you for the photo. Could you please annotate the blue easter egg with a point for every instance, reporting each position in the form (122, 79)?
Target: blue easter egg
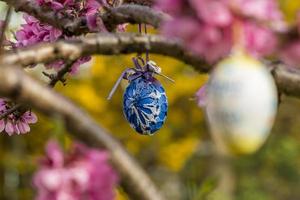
(145, 105)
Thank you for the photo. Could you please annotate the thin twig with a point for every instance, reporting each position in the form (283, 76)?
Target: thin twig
(4, 26)
(59, 76)
(134, 14)
(140, 2)
(53, 80)
(10, 111)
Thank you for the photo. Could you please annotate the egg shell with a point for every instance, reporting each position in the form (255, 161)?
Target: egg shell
(241, 104)
(145, 105)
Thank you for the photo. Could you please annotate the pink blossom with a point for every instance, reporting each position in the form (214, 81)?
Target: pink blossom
(74, 8)
(173, 28)
(290, 54)
(2, 105)
(2, 109)
(91, 7)
(201, 96)
(263, 10)
(207, 27)
(33, 32)
(210, 42)
(122, 27)
(54, 156)
(56, 4)
(174, 7)
(259, 40)
(216, 43)
(79, 8)
(83, 173)
(80, 61)
(95, 23)
(57, 65)
(15, 123)
(260, 9)
(2, 125)
(213, 12)
(19, 124)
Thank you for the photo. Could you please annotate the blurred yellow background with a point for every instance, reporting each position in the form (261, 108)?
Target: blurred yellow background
(180, 157)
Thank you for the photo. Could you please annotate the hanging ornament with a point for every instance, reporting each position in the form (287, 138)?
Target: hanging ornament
(145, 102)
(241, 103)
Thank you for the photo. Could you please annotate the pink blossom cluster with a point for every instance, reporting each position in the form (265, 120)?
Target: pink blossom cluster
(210, 28)
(33, 31)
(83, 173)
(15, 123)
(77, 9)
(290, 53)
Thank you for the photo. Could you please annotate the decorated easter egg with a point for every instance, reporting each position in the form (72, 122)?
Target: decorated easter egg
(145, 105)
(241, 104)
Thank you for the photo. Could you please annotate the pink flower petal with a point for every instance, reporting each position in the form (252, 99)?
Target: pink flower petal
(55, 154)
(9, 128)
(122, 27)
(2, 125)
(260, 9)
(85, 173)
(29, 117)
(213, 12)
(259, 41)
(201, 96)
(290, 54)
(23, 127)
(95, 23)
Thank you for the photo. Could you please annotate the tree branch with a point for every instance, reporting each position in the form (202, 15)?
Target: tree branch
(134, 14)
(17, 85)
(287, 81)
(106, 44)
(111, 44)
(59, 76)
(3, 27)
(112, 17)
(10, 111)
(140, 2)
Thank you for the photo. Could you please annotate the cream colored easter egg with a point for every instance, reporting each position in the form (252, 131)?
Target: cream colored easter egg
(241, 104)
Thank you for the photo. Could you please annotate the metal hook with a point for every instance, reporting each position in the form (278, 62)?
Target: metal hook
(122, 76)
(166, 77)
(152, 67)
